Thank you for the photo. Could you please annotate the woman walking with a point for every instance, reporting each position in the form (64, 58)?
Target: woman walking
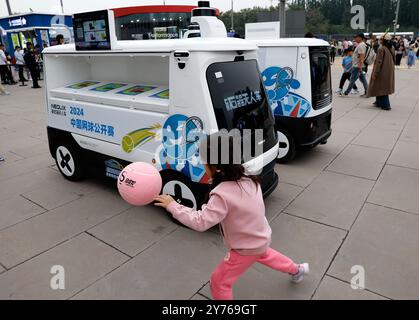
(411, 57)
(332, 52)
(400, 52)
(383, 75)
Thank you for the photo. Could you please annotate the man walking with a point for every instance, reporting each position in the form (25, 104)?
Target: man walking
(20, 62)
(358, 60)
(32, 65)
(6, 74)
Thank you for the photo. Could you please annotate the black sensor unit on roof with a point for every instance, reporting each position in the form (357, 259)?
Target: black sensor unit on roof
(203, 4)
(204, 10)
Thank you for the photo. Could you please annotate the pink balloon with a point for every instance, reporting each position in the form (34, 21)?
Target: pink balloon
(139, 183)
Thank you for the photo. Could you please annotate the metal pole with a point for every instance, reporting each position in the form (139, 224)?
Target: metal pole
(396, 22)
(232, 15)
(282, 18)
(62, 6)
(9, 9)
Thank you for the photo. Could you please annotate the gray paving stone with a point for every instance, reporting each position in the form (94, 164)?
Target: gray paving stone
(303, 241)
(390, 121)
(84, 259)
(405, 154)
(2, 270)
(368, 113)
(337, 114)
(15, 140)
(32, 237)
(174, 268)
(14, 123)
(31, 151)
(385, 243)
(305, 168)
(35, 116)
(24, 183)
(57, 191)
(350, 125)
(135, 230)
(11, 170)
(328, 201)
(336, 143)
(377, 138)
(280, 199)
(334, 289)
(199, 297)
(410, 133)
(10, 157)
(397, 188)
(364, 162)
(17, 209)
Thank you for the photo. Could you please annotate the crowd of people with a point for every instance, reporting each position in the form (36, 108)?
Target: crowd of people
(384, 54)
(403, 46)
(25, 65)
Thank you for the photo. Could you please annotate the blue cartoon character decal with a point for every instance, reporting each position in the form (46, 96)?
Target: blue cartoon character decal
(180, 147)
(278, 83)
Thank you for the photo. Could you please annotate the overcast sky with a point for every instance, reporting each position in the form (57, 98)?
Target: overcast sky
(71, 6)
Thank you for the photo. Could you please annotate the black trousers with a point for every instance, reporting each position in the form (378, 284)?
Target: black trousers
(346, 76)
(399, 58)
(34, 74)
(21, 76)
(6, 75)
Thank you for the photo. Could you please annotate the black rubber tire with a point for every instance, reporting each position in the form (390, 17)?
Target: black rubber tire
(198, 191)
(69, 161)
(292, 151)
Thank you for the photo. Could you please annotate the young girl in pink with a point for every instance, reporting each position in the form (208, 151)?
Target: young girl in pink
(236, 203)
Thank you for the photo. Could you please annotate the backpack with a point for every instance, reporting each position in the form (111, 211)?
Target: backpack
(370, 56)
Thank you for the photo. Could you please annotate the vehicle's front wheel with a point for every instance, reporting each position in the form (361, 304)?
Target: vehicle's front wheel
(287, 148)
(69, 161)
(184, 191)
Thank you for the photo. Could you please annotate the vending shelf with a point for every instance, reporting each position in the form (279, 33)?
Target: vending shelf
(118, 94)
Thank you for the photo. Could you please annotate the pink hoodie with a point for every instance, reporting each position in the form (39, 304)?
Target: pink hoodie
(239, 208)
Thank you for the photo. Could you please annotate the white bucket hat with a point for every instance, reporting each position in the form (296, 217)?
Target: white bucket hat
(387, 36)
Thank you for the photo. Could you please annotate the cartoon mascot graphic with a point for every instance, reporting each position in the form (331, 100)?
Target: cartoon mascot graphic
(180, 147)
(179, 150)
(278, 83)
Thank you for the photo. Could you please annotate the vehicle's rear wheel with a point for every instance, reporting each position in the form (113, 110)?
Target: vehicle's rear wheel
(69, 161)
(287, 148)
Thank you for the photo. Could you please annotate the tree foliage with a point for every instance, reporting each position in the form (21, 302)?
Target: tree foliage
(334, 16)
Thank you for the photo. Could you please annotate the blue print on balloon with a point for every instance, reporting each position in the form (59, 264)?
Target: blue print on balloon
(278, 83)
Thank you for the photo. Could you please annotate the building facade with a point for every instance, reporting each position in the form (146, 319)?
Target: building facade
(152, 22)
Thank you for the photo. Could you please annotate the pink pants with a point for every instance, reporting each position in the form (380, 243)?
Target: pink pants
(234, 265)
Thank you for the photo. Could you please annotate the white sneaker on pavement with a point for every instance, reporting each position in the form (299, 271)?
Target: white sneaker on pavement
(303, 269)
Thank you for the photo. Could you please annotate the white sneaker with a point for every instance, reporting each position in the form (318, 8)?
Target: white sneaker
(303, 269)
(339, 91)
(355, 92)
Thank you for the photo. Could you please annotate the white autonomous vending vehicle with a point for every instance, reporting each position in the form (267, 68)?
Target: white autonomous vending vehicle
(110, 102)
(297, 77)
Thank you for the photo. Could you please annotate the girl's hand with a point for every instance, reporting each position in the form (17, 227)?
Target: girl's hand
(163, 201)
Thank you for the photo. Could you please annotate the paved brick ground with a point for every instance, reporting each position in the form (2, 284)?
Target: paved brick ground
(351, 202)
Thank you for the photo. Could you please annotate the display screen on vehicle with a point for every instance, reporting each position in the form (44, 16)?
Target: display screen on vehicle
(91, 31)
(239, 98)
